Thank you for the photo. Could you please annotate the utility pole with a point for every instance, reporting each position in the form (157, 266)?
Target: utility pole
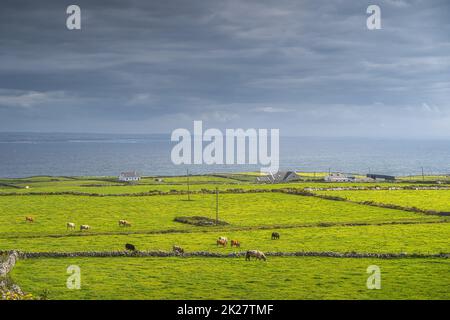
(217, 205)
(423, 177)
(188, 188)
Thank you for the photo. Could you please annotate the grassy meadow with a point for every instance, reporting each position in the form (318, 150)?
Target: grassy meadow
(52, 212)
(305, 223)
(438, 200)
(110, 185)
(412, 238)
(218, 278)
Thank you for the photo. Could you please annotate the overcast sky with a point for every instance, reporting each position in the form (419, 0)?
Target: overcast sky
(305, 67)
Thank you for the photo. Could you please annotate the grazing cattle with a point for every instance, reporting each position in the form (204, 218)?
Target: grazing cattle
(221, 242)
(235, 243)
(275, 235)
(70, 225)
(124, 223)
(178, 249)
(259, 255)
(84, 227)
(130, 247)
(29, 219)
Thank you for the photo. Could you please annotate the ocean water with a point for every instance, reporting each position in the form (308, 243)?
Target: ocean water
(26, 154)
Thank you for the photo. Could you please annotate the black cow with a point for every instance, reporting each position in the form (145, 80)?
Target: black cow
(178, 250)
(130, 247)
(275, 235)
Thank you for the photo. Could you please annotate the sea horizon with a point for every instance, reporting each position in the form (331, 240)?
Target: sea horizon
(108, 154)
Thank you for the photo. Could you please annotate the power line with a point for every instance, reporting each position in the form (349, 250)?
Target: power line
(188, 187)
(217, 205)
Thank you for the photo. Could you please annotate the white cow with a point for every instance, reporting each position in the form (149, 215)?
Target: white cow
(70, 225)
(84, 227)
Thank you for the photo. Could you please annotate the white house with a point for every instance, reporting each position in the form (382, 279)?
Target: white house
(339, 177)
(129, 176)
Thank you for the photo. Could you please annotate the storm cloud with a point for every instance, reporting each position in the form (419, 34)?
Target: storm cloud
(305, 67)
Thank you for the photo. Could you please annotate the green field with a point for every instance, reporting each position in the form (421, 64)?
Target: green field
(217, 278)
(305, 223)
(110, 185)
(51, 213)
(414, 238)
(438, 200)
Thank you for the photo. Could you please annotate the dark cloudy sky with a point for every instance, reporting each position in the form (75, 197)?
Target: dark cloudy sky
(305, 67)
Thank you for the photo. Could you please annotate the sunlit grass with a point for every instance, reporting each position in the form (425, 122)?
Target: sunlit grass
(417, 238)
(302, 221)
(51, 213)
(235, 278)
(438, 200)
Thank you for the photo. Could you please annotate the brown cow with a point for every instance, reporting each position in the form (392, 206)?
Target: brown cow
(221, 242)
(124, 223)
(29, 219)
(235, 243)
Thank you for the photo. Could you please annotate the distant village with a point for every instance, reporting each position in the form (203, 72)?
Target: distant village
(288, 176)
(283, 177)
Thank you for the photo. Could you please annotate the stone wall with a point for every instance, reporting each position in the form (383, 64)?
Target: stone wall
(9, 263)
(8, 289)
(93, 254)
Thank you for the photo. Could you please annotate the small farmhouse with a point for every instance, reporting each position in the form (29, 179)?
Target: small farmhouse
(129, 176)
(279, 177)
(339, 177)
